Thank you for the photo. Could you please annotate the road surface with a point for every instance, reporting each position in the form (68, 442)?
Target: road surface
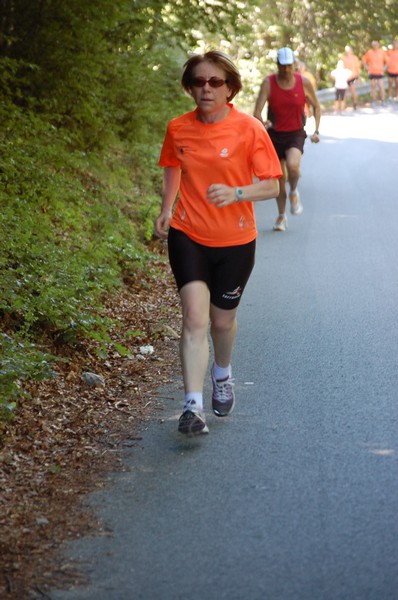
(295, 496)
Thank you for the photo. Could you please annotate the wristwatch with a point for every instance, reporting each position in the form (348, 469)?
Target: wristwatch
(238, 194)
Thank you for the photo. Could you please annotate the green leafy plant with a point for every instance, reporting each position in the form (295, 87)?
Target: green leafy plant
(20, 360)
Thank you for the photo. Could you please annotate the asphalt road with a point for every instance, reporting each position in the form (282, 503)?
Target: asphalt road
(295, 496)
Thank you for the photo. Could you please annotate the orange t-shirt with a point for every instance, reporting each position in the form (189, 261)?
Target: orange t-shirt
(231, 152)
(392, 62)
(353, 63)
(375, 60)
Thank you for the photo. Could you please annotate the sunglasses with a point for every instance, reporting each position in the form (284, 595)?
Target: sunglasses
(214, 82)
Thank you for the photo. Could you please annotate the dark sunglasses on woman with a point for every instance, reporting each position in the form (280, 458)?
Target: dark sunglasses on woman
(214, 82)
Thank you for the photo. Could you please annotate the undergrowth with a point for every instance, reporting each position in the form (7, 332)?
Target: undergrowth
(71, 226)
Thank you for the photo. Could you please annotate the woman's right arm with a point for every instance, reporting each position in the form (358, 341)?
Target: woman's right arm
(171, 184)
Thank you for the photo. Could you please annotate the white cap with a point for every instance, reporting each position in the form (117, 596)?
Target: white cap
(285, 56)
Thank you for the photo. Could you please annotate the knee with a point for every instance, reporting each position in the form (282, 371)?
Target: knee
(195, 320)
(294, 169)
(223, 324)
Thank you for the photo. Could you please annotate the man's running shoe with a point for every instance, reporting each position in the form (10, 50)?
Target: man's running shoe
(192, 423)
(281, 223)
(296, 208)
(223, 398)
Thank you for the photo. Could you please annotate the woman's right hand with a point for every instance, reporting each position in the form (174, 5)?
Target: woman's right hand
(162, 224)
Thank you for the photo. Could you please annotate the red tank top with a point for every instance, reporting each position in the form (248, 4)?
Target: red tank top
(286, 107)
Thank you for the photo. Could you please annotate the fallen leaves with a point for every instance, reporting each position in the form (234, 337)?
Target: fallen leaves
(71, 431)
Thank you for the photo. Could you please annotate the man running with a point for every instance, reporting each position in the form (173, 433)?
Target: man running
(287, 93)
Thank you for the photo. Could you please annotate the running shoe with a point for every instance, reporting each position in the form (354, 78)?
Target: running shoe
(281, 223)
(223, 398)
(192, 423)
(296, 208)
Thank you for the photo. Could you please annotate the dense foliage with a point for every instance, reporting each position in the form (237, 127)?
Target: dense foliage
(87, 90)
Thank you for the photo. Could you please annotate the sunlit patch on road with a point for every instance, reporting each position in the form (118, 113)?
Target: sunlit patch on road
(368, 124)
(382, 452)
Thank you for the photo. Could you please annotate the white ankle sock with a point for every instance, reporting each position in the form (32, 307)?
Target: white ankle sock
(221, 372)
(193, 401)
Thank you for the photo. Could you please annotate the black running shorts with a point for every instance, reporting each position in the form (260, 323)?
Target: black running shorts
(225, 270)
(283, 140)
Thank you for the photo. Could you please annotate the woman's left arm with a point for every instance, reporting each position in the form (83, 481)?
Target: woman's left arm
(223, 195)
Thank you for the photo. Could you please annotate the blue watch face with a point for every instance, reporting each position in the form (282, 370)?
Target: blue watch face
(239, 192)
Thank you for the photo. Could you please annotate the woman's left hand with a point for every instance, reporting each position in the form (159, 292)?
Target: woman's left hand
(221, 195)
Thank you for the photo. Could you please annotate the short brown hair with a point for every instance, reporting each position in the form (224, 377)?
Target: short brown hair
(218, 58)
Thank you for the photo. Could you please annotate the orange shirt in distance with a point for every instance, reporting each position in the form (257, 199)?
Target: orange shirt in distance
(392, 61)
(375, 59)
(352, 62)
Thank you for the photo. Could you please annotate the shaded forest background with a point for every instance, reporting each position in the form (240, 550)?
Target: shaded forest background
(87, 89)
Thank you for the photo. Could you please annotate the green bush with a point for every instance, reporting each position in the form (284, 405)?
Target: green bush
(19, 361)
(71, 224)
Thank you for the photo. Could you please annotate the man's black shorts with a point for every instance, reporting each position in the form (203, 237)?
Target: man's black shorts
(283, 140)
(225, 270)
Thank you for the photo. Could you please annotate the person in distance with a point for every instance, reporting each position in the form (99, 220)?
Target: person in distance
(287, 94)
